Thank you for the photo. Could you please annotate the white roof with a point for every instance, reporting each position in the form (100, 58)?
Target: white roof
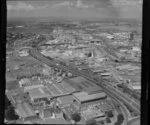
(137, 87)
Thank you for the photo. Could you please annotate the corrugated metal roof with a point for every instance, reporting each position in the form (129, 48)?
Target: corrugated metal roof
(80, 94)
(91, 97)
(25, 110)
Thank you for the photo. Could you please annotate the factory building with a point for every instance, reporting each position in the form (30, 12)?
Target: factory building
(38, 94)
(80, 94)
(60, 89)
(89, 98)
(32, 87)
(83, 100)
(25, 111)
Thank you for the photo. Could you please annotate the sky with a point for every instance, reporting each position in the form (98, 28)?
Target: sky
(85, 9)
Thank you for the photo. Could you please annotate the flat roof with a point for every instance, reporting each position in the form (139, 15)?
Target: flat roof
(39, 92)
(136, 87)
(91, 97)
(77, 94)
(60, 89)
(66, 99)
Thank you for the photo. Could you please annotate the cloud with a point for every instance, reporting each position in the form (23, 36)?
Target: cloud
(69, 4)
(81, 5)
(62, 4)
(23, 6)
(127, 2)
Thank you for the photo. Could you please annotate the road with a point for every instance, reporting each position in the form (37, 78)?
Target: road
(110, 91)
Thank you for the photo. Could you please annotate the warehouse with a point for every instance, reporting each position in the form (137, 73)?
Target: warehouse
(79, 94)
(60, 89)
(65, 100)
(90, 98)
(38, 94)
(32, 87)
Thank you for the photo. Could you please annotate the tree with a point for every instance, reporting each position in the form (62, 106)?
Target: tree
(91, 122)
(102, 122)
(76, 117)
(7, 102)
(65, 116)
(10, 114)
(110, 114)
(120, 119)
(117, 123)
(108, 120)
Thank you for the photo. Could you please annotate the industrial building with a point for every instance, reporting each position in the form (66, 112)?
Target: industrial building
(25, 111)
(92, 113)
(65, 100)
(46, 113)
(136, 87)
(92, 97)
(60, 89)
(38, 94)
(80, 94)
(32, 87)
